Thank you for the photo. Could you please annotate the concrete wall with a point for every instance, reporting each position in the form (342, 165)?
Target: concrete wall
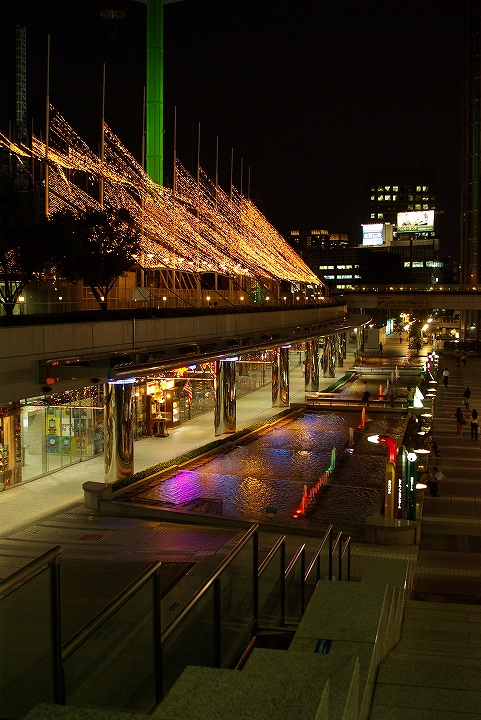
(23, 349)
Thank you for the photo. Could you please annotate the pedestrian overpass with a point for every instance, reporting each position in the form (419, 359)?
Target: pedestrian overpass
(392, 297)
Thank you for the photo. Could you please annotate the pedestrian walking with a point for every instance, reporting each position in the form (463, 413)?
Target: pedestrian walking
(458, 357)
(380, 348)
(466, 396)
(464, 357)
(474, 423)
(400, 338)
(365, 397)
(410, 396)
(460, 421)
(445, 377)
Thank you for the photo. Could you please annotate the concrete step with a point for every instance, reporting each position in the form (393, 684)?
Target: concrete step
(413, 650)
(383, 712)
(433, 672)
(423, 698)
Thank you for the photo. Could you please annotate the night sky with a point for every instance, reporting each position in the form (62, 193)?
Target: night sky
(312, 95)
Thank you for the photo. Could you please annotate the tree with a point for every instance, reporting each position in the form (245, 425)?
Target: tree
(97, 247)
(25, 242)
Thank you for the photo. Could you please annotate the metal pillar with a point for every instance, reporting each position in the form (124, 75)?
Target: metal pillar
(331, 357)
(225, 397)
(307, 365)
(284, 376)
(154, 135)
(119, 436)
(315, 365)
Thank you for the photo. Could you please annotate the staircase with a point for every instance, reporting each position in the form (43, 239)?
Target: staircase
(435, 669)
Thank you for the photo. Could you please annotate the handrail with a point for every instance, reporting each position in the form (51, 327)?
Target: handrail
(27, 571)
(195, 598)
(270, 554)
(294, 559)
(88, 630)
(345, 547)
(317, 553)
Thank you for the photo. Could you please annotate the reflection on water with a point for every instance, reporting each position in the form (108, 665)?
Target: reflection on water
(270, 473)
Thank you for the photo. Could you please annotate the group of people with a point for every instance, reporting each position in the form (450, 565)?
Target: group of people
(461, 420)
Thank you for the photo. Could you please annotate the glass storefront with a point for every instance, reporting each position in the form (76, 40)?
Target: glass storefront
(37, 438)
(47, 434)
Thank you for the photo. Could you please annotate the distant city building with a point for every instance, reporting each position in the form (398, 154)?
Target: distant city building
(344, 264)
(391, 192)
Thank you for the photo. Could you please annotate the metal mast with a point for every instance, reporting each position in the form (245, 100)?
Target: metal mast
(21, 84)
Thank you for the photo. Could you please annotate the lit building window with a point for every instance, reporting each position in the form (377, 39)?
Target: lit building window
(407, 264)
(417, 264)
(395, 188)
(387, 197)
(387, 188)
(380, 197)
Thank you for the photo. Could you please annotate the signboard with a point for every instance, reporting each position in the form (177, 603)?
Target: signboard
(390, 490)
(415, 221)
(411, 301)
(373, 234)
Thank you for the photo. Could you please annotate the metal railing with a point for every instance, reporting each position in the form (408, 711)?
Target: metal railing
(122, 659)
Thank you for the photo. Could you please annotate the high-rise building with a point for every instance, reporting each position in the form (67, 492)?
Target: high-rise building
(390, 192)
(471, 154)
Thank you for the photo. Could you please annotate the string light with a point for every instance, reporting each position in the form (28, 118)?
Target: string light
(199, 229)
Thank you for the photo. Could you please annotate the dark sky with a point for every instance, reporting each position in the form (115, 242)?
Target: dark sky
(311, 94)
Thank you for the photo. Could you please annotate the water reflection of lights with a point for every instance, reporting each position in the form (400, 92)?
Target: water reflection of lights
(270, 473)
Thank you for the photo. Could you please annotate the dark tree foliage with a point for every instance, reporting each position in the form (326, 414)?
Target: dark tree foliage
(26, 248)
(96, 247)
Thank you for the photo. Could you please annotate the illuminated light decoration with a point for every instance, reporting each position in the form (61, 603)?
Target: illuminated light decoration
(198, 229)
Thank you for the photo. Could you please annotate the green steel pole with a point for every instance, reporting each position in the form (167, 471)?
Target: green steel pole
(155, 91)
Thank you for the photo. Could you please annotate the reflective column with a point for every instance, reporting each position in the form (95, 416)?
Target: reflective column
(325, 357)
(331, 358)
(307, 364)
(119, 436)
(225, 397)
(315, 365)
(284, 376)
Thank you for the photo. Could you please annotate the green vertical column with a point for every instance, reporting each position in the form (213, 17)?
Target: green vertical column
(154, 140)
